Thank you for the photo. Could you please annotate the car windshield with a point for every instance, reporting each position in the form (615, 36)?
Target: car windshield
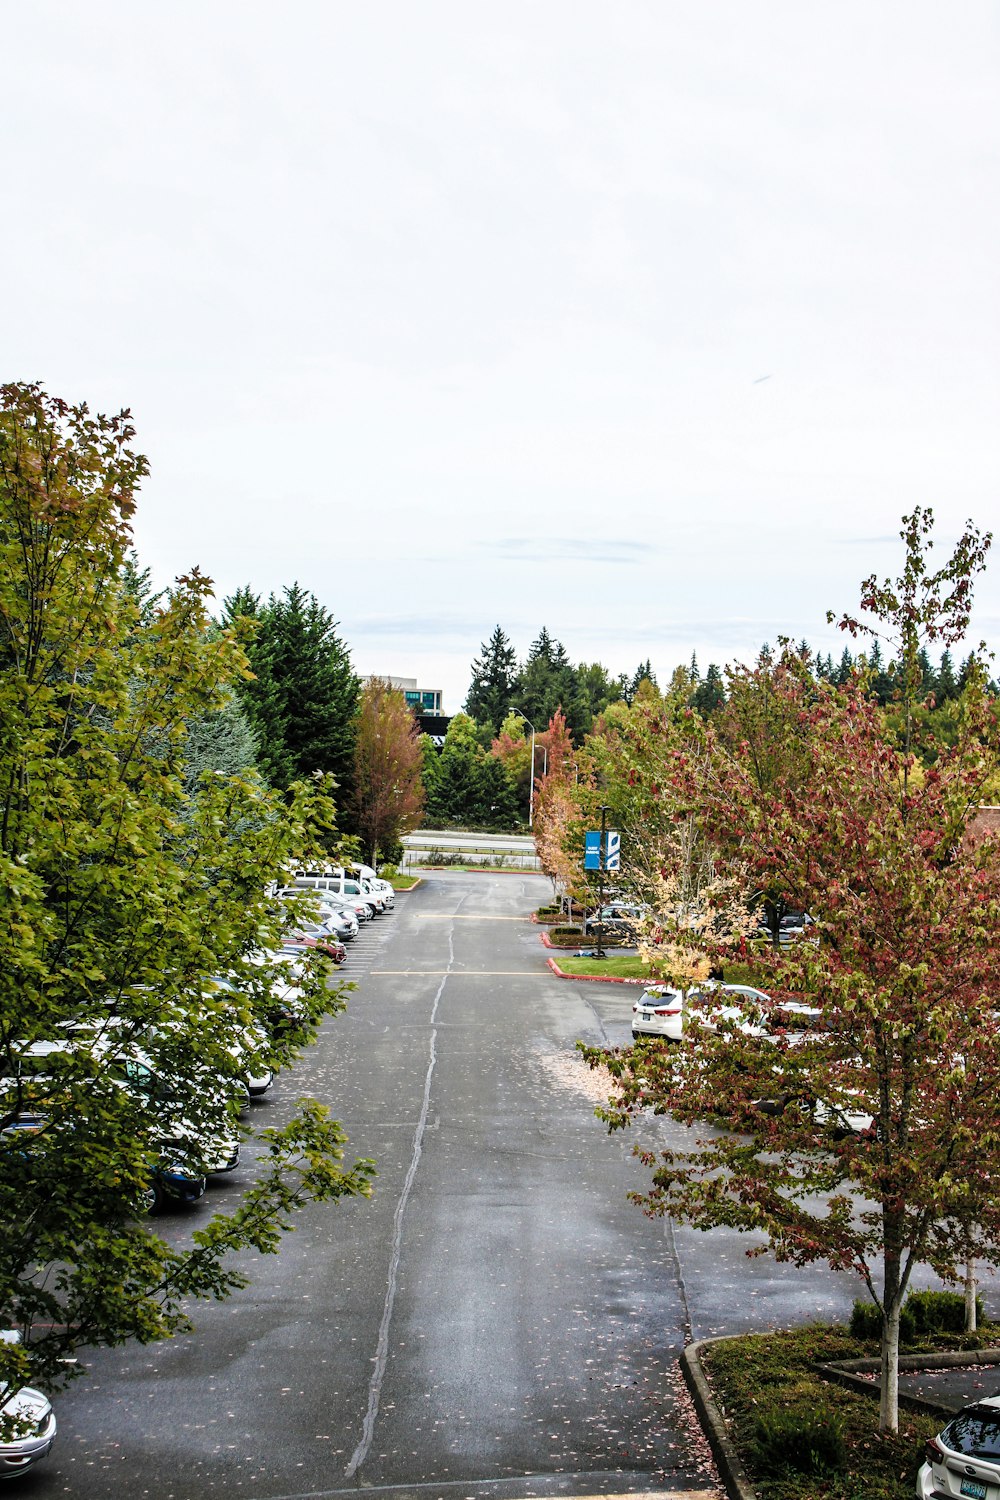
(975, 1431)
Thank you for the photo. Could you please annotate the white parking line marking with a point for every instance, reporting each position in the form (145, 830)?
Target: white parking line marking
(434, 916)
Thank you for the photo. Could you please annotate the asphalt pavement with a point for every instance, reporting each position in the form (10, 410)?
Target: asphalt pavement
(499, 1319)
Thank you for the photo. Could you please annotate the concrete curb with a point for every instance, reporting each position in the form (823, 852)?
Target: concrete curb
(851, 1373)
(546, 942)
(731, 1470)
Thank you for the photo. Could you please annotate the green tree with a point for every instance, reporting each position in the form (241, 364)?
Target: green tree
(598, 687)
(455, 793)
(494, 675)
(947, 683)
(547, 682)
(219, 741)
(497, 805)
(470, 787)
(125, 896)
(303, 695)
(430, 775)
(643, 673)
(918, 608)
(710, 693)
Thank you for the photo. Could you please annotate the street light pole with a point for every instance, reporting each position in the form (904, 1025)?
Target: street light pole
(531, 780)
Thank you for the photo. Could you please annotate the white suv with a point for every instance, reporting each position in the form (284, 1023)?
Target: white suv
(659, 1011)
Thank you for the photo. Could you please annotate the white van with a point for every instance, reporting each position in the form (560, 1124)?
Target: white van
(374, 882)
(337, 884)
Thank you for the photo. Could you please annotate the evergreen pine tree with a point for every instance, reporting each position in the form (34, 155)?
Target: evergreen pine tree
(220, 741)
(947, 683)
(497, 798)
(548, 681)
(494, 675)
(928, 677)
(882, 681)
(844, 668)
(643, 673)
(710, 694)
(303, 697)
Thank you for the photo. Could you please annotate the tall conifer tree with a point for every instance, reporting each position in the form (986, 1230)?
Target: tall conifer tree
(494, 674)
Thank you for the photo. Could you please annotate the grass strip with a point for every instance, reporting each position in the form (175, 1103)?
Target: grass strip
(626, 966)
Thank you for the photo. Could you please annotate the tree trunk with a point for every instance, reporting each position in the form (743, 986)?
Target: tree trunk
(970, 1295)
(888, 1412)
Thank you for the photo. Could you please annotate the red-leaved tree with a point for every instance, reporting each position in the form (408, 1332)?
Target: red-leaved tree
(869, 1135)
(388, 765)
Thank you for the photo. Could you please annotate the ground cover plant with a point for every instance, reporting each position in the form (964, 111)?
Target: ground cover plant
(802, 1437)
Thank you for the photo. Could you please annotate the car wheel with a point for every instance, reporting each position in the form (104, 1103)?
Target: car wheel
(153, 1198)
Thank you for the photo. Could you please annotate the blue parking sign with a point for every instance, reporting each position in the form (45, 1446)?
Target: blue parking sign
(592, 850)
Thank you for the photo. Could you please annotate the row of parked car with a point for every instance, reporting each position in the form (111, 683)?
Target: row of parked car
(625, 919)
(675, 1015)
(337, 908)
(191, 1109)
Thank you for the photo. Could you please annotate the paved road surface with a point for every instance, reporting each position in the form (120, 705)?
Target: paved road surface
(499, 1320)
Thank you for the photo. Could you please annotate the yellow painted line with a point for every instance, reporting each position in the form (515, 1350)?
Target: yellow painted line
(545, 973)
(430, 916)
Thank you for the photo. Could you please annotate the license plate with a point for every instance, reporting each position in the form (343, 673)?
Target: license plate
(974, 1488)
(647, 1015)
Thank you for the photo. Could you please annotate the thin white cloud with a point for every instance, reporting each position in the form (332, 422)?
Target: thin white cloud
(598, 550)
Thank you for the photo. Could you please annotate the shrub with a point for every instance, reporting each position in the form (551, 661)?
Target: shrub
(810, 1441)
(566, 934)
(391, 853)
(866, 1323)
(941, 1312)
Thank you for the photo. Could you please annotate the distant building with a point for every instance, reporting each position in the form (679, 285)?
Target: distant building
(425, 702)
(421, 700)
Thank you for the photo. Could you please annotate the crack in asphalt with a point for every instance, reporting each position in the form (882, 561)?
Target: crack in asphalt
(382, 1347)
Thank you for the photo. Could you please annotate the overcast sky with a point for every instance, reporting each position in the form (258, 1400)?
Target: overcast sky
(642, 321)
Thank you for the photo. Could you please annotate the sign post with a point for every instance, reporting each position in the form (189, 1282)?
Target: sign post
(601, 851)
(600, 883)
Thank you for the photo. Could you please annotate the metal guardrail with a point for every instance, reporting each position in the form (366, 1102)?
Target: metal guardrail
(498, 859)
